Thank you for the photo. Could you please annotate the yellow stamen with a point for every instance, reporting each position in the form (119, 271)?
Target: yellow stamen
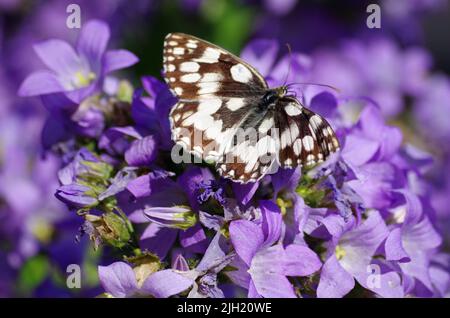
(82, 80)
(284, 205)
(340, 252)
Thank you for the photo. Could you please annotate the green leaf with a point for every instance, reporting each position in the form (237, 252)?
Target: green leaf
(33, 273)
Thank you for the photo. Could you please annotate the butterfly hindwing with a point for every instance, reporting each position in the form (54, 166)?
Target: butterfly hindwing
(306, 138)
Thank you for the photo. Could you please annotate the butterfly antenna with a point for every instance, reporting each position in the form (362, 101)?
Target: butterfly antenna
(316, 84)
(289, 65)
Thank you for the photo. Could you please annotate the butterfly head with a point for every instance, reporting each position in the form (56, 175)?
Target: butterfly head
(274, 94)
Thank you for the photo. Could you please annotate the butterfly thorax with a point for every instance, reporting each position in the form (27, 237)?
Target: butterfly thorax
(272, 96)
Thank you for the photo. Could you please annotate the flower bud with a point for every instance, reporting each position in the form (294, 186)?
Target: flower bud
(111, 228)
(77, 195)
(180, 217)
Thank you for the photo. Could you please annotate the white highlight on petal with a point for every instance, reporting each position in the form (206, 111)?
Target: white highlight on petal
(189, 67)
(308, 143)
(235, 103)
(293, 109)
(240, 73)
(190, 78)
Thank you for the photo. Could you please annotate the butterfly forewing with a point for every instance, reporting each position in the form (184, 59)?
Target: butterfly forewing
(195, 69)
(221, 114)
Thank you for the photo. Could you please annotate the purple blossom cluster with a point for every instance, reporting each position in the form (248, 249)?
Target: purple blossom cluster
(92, 171)
(360, 224)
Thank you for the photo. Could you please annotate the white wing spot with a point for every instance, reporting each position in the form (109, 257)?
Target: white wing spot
(171, 67)
(240, 73)
(315, 121)
(209, 106)
(214, 131)
(190, 67)
(308, 143)
(297, 147)
(212, 77)
(178, 51)
(178, 90)
(266, 125)
(210, 56)
(208, 87)
(191, 45)
(293, 109)
(190, 78)
(235, 103)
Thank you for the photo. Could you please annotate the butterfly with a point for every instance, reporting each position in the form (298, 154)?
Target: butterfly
(227, 114)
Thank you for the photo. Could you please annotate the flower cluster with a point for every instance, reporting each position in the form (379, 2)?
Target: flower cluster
(359, 224)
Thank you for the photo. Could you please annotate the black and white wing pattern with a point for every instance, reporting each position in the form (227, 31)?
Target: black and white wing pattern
(306, 138)
(227, 114)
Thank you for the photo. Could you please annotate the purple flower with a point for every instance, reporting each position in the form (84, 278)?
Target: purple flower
(76, 72)
(119, 280)
(267, 264)
(180, 217)
(210, 189)
(76, 195)
(431, 109)
(413, 241)
(141, 152)
(350, 256)
(162, 204)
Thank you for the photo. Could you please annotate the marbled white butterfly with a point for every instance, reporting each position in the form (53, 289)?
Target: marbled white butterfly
(227, 113)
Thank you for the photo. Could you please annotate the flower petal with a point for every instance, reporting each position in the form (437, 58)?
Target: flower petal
(335, 282)
(247, 238)
(194, 239)
(272, 221)
(300, 261)
(40, 83)
(118, 279)
(118, 59)
(244, 192)
(142, 152)
(261, 54)
(394, 248)
(158, 240)
(92, 41)
(166, 283)
(59, 56)
(267, 273)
